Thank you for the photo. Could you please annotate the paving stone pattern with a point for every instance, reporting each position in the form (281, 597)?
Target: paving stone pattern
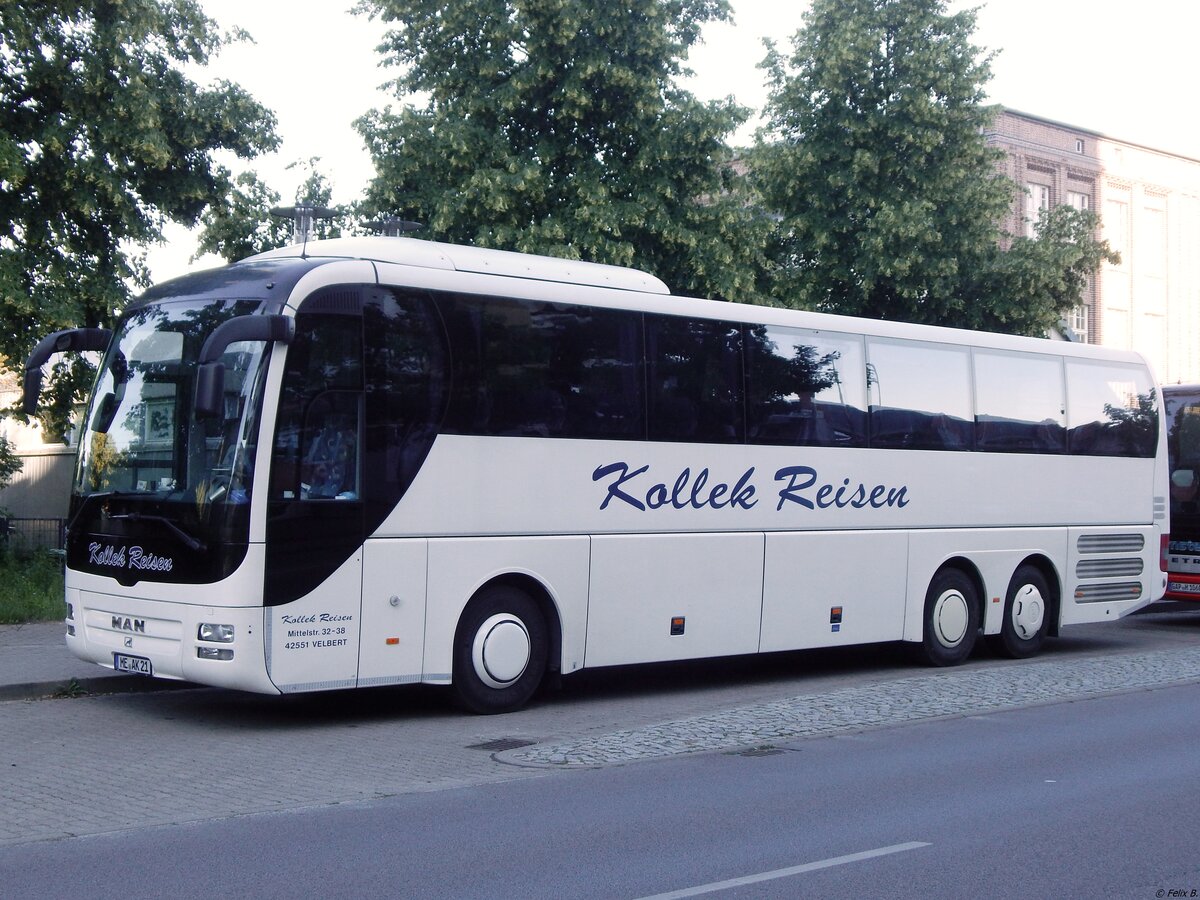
(100, 764)
(947, 693)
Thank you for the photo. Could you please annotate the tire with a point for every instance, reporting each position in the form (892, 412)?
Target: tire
(1026, 614)
(951, 623)
(500, 651)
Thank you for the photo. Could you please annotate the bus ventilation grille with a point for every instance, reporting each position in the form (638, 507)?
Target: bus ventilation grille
(1111, 543)
(1107, 593)
(1108, 568)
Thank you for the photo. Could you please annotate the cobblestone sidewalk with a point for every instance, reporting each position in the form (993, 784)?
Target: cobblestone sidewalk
(945, 693)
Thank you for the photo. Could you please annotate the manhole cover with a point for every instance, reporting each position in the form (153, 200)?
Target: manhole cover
(758, 751)
(501, 744)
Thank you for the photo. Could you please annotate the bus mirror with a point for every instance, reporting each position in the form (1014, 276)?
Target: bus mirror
(105, 410)
(210, 389)
(210, 376)
(247, 328)
(71, 339)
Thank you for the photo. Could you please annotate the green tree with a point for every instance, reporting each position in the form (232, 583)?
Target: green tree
(559, 127)
(891, 204)
(242, 224)
(10, 463)
(1029, 285)
(103, 139)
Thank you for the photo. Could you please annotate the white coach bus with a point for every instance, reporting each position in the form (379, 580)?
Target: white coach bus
(386, 461)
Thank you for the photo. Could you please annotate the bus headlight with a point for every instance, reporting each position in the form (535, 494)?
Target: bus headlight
(220, 634)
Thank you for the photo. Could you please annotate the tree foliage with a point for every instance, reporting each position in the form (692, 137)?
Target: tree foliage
(103, 139)
(242, 224)
(891, 204)
(1027, 287)
(558, 127)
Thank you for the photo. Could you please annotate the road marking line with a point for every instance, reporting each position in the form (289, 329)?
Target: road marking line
(793, 870)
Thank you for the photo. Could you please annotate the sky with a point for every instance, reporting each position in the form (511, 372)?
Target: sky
(1125, 69)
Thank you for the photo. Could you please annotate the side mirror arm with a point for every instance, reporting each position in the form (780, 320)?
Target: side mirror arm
(210, 375)
(66, 341)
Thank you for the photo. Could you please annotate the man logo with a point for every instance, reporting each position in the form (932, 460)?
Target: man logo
(128, 642)
(124, 623)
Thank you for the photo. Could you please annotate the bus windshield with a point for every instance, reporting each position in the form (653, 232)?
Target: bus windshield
(141, 439)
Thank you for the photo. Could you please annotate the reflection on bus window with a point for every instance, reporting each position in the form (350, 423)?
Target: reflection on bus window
(317, 437)
(544, 370)
(330, 452)
(920, 396)
(805, 388)
(1112, 410)
(695, 380)
(1020, 403)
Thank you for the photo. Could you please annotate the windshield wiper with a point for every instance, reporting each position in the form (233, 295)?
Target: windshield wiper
(188, 540)
(84, 505)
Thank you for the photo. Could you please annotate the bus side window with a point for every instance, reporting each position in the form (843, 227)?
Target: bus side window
(318, 430)
(1112, 410)
(804, 388)
(330, 452)
(920, 395)
(696, 380)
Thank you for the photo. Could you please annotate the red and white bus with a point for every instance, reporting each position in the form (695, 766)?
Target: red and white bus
(1182, 402)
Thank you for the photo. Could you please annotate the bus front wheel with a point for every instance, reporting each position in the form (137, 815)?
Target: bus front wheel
(951, 619)
(1026, 614)
(500, 651)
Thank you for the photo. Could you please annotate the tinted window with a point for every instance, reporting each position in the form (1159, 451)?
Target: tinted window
(1020, 403)
(315, 509)
(544, 370)
(405, 362)
(1183, 451)
(695, 380)
(920, 396)
(318, 434)
(1111, 410)
(804, 388)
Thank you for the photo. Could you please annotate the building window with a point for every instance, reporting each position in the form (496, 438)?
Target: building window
(1079, 146)
(1116, 228)
(1077, 318)
(1079, 200)
(1037, 198)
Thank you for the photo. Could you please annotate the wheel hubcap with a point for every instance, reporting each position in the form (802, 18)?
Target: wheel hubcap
(501, 650)
(950, 617)
(1028, 610)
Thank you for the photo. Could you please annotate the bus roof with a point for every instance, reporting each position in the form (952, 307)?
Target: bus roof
(409, 251)
(272, 274)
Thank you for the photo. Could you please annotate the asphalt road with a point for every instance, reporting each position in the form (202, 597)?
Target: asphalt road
(1092, 798)
(1072, 774)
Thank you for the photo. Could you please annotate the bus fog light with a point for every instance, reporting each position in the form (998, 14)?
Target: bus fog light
(220, 634)
(214, 653)
(71, 631)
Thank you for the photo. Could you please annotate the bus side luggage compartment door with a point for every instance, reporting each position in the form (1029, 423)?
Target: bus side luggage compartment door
(661, 597)
(393, 611)
(834, 588)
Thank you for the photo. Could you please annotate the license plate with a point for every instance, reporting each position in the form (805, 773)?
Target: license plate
(1183, 587)
(136, 665)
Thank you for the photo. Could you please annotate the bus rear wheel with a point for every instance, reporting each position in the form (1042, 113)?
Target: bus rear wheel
(1026, 614)
(951, 622)
(500, 651)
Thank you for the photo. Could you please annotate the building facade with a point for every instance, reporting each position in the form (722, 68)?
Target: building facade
(1148, 202)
